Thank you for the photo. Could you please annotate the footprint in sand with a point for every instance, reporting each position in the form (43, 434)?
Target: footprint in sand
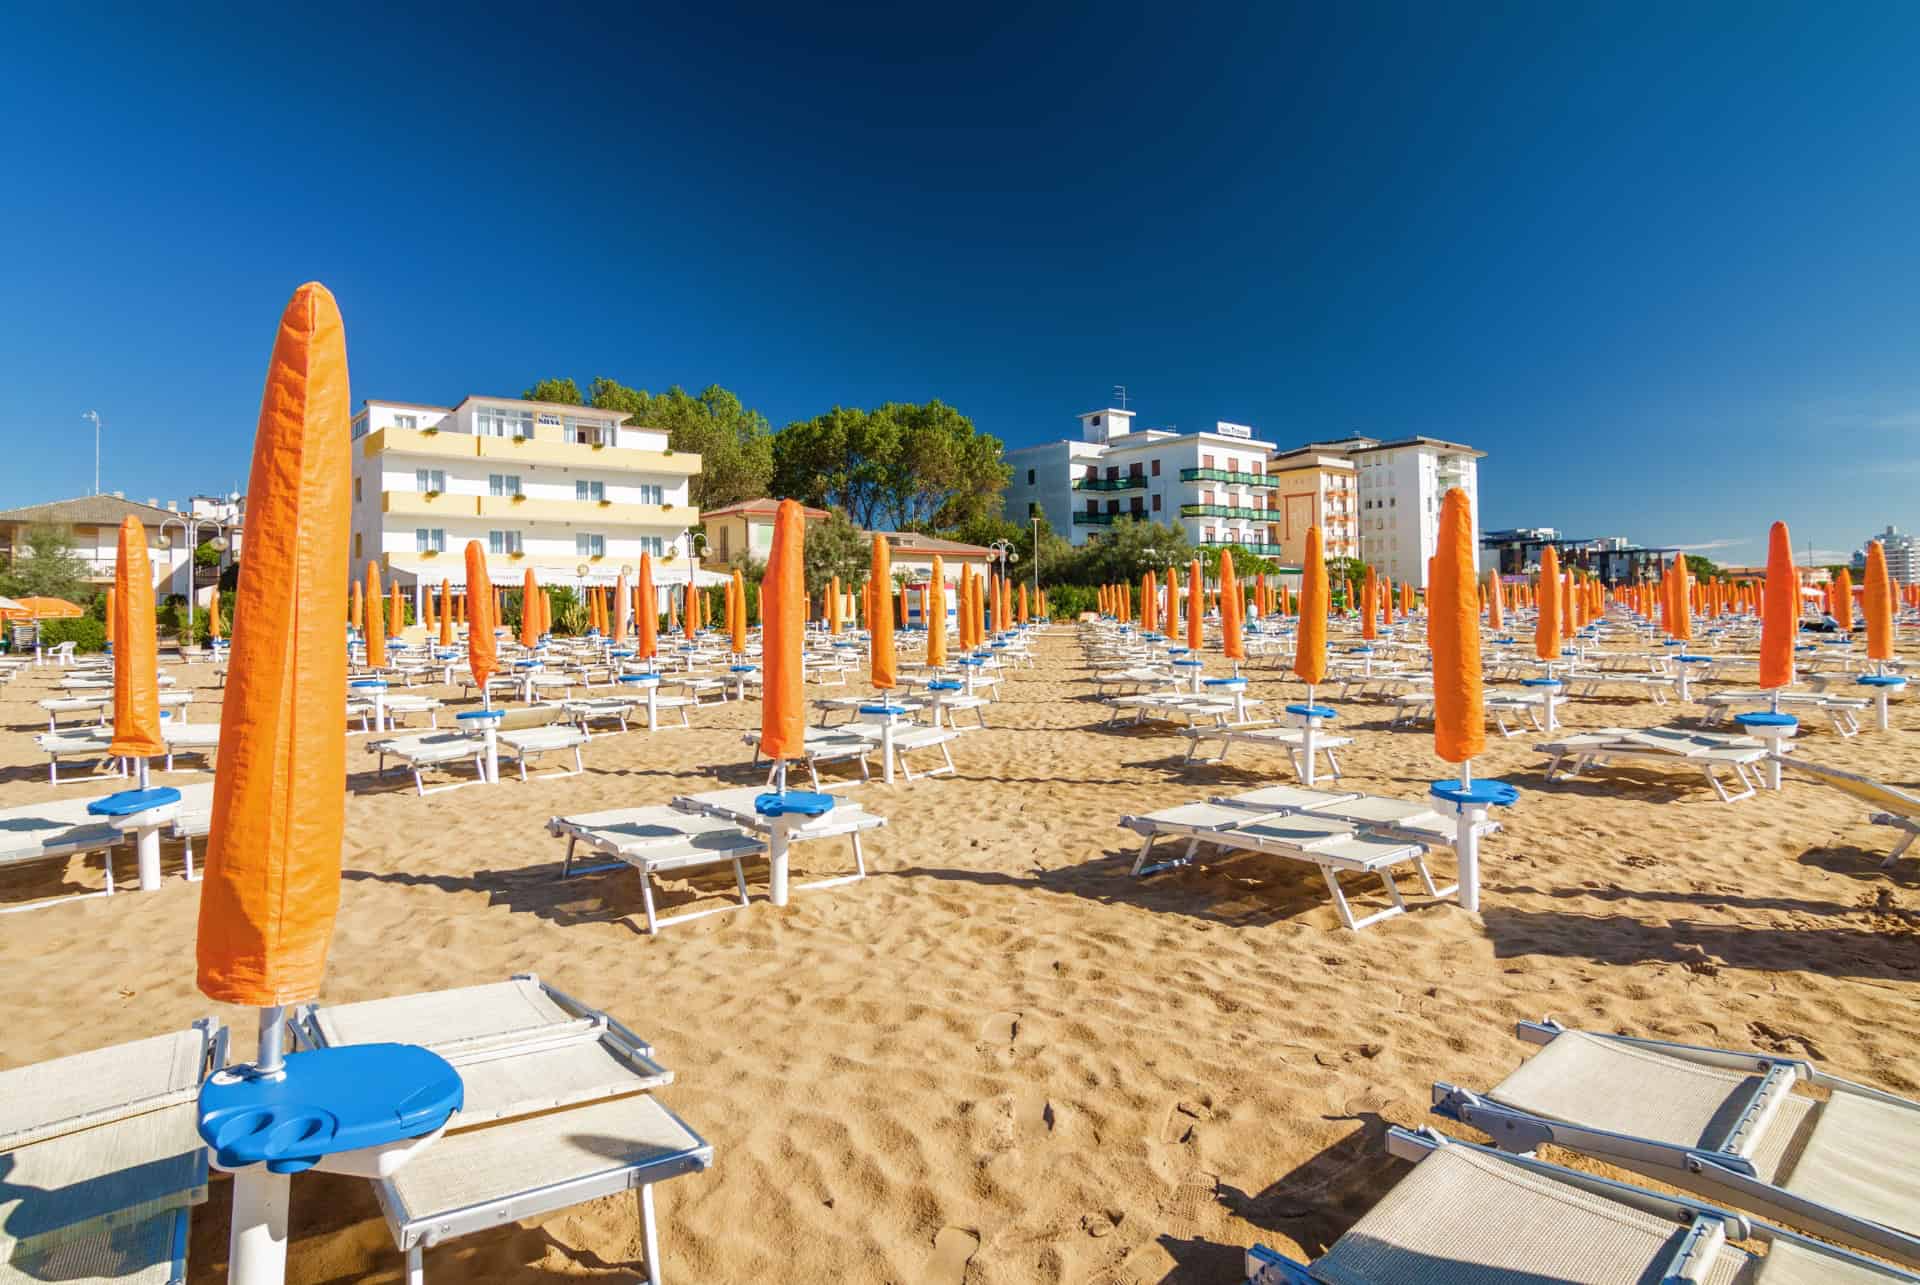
(1001, 1028)
(953, 1249)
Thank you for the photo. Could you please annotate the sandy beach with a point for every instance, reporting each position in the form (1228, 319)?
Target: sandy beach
(1001, 1059)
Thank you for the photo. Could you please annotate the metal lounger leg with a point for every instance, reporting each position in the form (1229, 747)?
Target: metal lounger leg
(1146, 850)
(649, 1234)
(1426, 879)
(1900, 849)
(1339, 897)
(416, 1266)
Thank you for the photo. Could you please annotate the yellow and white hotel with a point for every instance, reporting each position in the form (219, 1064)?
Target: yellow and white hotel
(575, 493)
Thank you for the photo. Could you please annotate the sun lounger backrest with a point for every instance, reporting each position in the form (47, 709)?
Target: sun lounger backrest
(52, 1098)
(447, 1021)
(1867, 790)
(530, 716)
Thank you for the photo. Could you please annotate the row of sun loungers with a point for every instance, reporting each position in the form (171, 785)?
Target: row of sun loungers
(1739, 757)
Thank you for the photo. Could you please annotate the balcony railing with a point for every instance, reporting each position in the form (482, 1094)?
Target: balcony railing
(1097, 519)
(1228, 476)
(1131, 482)
(1228, 511)
(1262, 550)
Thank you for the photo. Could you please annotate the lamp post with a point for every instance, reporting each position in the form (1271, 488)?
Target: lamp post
(94, 415)
(190, 533)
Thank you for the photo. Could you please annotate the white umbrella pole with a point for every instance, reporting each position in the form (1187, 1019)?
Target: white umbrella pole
(1306, 741)
(257, 1243)
(777, 843)
(1467, 844)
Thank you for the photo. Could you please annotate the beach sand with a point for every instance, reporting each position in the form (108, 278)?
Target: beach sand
(999, 1058)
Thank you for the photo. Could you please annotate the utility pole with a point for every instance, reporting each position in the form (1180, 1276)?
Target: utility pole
(94, 415)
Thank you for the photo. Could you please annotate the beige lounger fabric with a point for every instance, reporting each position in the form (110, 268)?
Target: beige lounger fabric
(450, 1021)
(1461, 1218)
(1862, 1156)
(140, 1254)
(50, 1098)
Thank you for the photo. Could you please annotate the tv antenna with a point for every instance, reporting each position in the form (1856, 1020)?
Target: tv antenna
(1120, 395)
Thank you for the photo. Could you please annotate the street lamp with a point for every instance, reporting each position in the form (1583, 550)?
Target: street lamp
(94, 415)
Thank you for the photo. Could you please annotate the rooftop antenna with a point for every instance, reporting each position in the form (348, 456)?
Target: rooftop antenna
(1120, 395)
(94, 415)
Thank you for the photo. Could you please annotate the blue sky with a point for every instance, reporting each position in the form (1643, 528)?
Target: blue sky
(1660, 261)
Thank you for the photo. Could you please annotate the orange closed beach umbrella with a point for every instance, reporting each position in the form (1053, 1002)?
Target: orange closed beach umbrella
(1149, 605)
(1196, 607)
(1546, 629)
(1493, 601)
(426, 601)
(483, 652)
(529, 611)
(1877, 600)
(1782, 618)
(880, 624)
(783, 625)
(737, 624)
(356, 615)
(621, 599)
(646, 611)
(1843, 599)
(446, 613)
(376, 626)
(111, 625)
(136, 657)
(1310, 646)
(936, 613)
(1369, 597)
(215, 627)
(1232, 644)
(272, 880)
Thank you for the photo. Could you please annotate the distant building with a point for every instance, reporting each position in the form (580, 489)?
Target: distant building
(575, 493)
(1213, 484)
(1401, 483)
(1902, 552)
(911, 554)
(1614, 559)
(1311, 488)
(744, 528)
(93, 524)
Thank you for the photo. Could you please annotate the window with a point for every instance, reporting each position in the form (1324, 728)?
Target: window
(1156, 504)
(504, 484)
(1206, 497)
(1156, 468)
(656, 545)
(587, 432)
(592, 492)
(1113, 506)
(501, 421)
(356, 546)
(1206, 461)
(429, 481)
(1029, 477)
(1136, 505)
(1206, 535)
(1093, 506)
(1112, 472)
(406, 421)
(1258, 468)
(651, 493)
(503, 543)
(1136, 469)
(590, 546)
(356, 494)
(429, 539)
(359, 426)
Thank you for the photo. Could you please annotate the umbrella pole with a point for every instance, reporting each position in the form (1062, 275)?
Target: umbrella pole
(777, 843)
(1306, 741)
(257, 1244)
(1466, 845)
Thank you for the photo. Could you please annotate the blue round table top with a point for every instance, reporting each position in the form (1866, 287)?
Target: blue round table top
(1764, 718)
(1881, 680)
(1541, 682)
(1224, 682)
(741, 669)
(1313, 711)
(803, 803)
(368, 682)
(1687, 658)
(1482, 793)
(638, 678)
(891, 711)
(944, 685)
(1190, 664)
(481, 713)
(128, 802)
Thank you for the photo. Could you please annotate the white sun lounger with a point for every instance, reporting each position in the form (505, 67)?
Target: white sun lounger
(658, 840)
(100, 1160)
(1843, 711)
(1589, 683)
(77, 743)
(190, 738)
(1291, 739)
(1894, 807)
(824, 745)
(558, 1111)
(1168, 706)
(1469, 1215)
(423, 750)
(911, 740)
(56, 831)
(1739, 756)
(1734, 1126)
(736, 807)
(603, 708)
(1335, 846)
(530, 742)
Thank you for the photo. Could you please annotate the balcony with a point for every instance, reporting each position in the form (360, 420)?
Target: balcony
(1097, 519)
(587, 512)
(1131, 482)
(1228, 476)
(413, 441)
(427, 504)
(1228, 511)
(1258, 550)
(553, 450)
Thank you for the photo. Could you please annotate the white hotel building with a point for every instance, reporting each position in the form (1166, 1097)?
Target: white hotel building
(1214, 484)
(575, 493)
(1401, 483)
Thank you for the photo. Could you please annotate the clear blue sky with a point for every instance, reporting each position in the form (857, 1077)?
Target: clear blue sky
(1661, 261)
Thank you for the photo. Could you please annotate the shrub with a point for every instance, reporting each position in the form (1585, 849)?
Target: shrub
(1066, 601)
(88, 633)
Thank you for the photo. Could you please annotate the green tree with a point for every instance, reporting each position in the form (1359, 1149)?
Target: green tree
(564, 391)
(1128, 548)
(836, 547)
(1703, 568)
(732, 440)
(913, 467)
(46, 567)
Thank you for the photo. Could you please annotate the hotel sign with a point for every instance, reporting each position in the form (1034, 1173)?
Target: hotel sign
(1233, 430)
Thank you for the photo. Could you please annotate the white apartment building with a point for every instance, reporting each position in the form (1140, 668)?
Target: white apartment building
(575, 493)
(1902, 552)
(1401, 483)
(1214, 484)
